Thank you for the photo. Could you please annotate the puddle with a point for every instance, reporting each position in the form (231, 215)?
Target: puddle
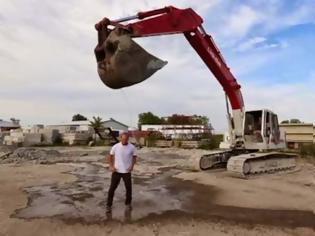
(85, 199)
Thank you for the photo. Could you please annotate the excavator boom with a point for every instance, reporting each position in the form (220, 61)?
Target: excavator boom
(170, 20)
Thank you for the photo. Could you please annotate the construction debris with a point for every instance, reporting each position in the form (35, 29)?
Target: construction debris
(29, 154)
(30, 137)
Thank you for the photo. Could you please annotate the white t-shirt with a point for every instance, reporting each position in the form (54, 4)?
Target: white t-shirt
(123, 156)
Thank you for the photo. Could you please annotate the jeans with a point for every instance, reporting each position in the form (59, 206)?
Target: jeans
(114, 184)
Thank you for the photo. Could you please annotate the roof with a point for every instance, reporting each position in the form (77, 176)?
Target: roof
(173, 126)
(111, 119)
(79, 122)
(8, 124)
(86, 122)
(296, 124)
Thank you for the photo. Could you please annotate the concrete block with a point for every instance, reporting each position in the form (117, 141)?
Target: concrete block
(163, 143)
(32, 139)
(11, 140)
(190, 144)
(76, 138)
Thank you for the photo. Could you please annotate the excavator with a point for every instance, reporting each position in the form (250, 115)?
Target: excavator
(253, 143)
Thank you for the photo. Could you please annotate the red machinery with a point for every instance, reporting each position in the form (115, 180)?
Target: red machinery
(249, 132)
(170, 20)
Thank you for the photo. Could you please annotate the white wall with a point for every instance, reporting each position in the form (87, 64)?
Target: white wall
(174, 129)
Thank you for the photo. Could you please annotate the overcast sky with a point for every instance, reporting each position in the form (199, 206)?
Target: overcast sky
(48, 71)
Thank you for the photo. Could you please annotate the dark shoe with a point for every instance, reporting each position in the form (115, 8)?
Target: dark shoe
(128, 207)
(108, 209)
(127, 215)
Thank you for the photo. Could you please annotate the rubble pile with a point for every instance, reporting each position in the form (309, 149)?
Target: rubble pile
(29, 154)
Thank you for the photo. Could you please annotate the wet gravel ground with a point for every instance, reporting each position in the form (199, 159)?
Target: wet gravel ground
(156, 195)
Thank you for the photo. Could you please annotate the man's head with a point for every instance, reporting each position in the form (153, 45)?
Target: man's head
(124, 138)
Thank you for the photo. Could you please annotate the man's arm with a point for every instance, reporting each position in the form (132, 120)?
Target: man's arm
(134, 159)
(111, 160)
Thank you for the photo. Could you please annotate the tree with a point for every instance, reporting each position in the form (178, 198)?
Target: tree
(78, 117)
(291, 121)
(97, 125)
(295, 121)
(201, 120)
(177, 119)
(148, 118)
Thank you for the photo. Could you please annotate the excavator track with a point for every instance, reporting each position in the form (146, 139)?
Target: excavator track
(245, 165)
(218, 159)
(214, 160)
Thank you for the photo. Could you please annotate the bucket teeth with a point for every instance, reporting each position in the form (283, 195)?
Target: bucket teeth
(122, 62)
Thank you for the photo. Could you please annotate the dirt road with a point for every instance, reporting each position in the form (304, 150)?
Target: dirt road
(66, 196)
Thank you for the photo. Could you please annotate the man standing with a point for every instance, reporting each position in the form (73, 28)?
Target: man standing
(121, 161)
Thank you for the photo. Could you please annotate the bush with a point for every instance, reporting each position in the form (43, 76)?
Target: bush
(212, 143)
(177, 143)
(150, 141)
(58, 140)
(307, 150)
(152, 138)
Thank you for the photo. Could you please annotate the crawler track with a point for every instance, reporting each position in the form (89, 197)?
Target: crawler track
(257, 163)
(243, 165)
(214, 160)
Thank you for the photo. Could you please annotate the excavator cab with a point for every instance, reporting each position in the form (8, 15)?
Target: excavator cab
(261, 130)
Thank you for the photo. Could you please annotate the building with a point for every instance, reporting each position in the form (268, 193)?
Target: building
(84, 126)
(8, 125)
(115, 125)
(178, 131)
(72, 127)
(298, 133)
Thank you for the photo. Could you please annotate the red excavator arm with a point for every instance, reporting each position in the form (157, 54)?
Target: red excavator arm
(170, 20)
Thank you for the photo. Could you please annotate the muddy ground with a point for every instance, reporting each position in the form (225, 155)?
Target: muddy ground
(65, 195)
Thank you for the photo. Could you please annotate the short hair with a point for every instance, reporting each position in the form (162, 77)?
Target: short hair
(124, 133)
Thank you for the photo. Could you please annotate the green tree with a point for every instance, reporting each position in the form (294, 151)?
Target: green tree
(295, 121)
(148, 118)
(202, 120)
(78, 117)
(177, 119)
(285, 122)
(97, 125)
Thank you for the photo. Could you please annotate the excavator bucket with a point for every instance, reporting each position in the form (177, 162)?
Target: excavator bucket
(122, 62)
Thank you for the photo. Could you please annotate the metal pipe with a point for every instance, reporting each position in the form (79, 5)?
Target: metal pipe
(227, 105)
(128, 18)
(203, 31)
